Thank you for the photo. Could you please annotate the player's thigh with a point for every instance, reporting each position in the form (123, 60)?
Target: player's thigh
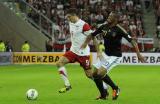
(85, 63)
(107, 63)
(68, 57)
(98, 68)
(114, 61)
(62, 61)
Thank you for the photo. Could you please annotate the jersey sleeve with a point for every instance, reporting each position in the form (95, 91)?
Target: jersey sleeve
(125, 34)
(98, 31)
(87, 29)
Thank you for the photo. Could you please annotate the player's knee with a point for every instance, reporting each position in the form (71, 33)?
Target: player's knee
(59, 64)
(89, 75)
(101, 72)
(89, 72)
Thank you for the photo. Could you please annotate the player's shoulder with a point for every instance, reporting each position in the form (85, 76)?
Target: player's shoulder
(85, 25)
(103, 25)
(82, 22)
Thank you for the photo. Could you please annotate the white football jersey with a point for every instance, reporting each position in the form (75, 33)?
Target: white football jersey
(79, 32)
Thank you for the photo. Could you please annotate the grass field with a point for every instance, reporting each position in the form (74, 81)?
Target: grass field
(139, 85)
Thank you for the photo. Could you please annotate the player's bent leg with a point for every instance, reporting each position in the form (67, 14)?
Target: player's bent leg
(107, 65)
(99, 73)
(115, 88)
(99, 84)
(62, 71)
(62, 61)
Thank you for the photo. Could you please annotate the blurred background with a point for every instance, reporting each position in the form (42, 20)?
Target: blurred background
(43, 23)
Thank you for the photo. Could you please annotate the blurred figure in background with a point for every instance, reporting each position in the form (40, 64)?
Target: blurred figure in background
(9, 47)
(25, 47)
(49, 45)
(2, 46)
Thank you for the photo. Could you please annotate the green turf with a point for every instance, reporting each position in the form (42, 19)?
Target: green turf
(139, 85)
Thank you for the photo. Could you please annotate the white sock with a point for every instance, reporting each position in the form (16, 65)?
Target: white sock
(64, 76)
(105, 86)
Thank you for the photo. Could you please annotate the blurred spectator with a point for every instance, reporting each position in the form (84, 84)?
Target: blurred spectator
(99, 18)
(92, 11)
(133, 29)
(67, 41)
(158, 32)
(58, 42)
(49, 46)
(9, 47)
(129, 3)
(147, 3)
(25, 47)
(156, 5)
(157, 40)
(158, 16)
(2, 46)
(157, 48)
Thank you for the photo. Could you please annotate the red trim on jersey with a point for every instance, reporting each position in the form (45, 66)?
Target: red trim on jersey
(86, 27)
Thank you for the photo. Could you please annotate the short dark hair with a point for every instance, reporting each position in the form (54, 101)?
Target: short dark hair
(72, 11)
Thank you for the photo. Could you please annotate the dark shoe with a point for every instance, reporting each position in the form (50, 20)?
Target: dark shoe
(104, 97)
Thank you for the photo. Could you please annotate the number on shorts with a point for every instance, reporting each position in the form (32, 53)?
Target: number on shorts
(87, 62)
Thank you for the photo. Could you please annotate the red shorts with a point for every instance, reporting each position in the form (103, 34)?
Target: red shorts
(83, 60)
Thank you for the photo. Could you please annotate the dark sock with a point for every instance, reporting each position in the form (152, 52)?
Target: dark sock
(99, 85)
(108, 80)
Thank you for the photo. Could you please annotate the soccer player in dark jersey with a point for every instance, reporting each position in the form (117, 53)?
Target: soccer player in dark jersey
(112, 35)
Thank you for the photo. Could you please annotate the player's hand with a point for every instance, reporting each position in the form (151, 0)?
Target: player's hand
(141, 58)
(99, 55)
(83, 46)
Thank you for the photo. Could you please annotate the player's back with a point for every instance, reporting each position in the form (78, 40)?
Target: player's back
(112, 40)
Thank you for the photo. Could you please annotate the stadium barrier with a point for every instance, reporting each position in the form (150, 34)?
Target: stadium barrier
(131, 59)
(53, 57)
(36, 57)
(5, 58)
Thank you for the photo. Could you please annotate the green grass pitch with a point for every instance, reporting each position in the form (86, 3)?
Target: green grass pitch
(139, 85)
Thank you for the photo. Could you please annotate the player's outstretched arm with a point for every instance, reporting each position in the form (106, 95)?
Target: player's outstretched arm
(95, 43)
(140, 57)
(90, 36)
(88, 39)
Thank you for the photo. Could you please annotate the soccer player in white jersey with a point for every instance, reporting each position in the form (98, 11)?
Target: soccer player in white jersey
(79, 31)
